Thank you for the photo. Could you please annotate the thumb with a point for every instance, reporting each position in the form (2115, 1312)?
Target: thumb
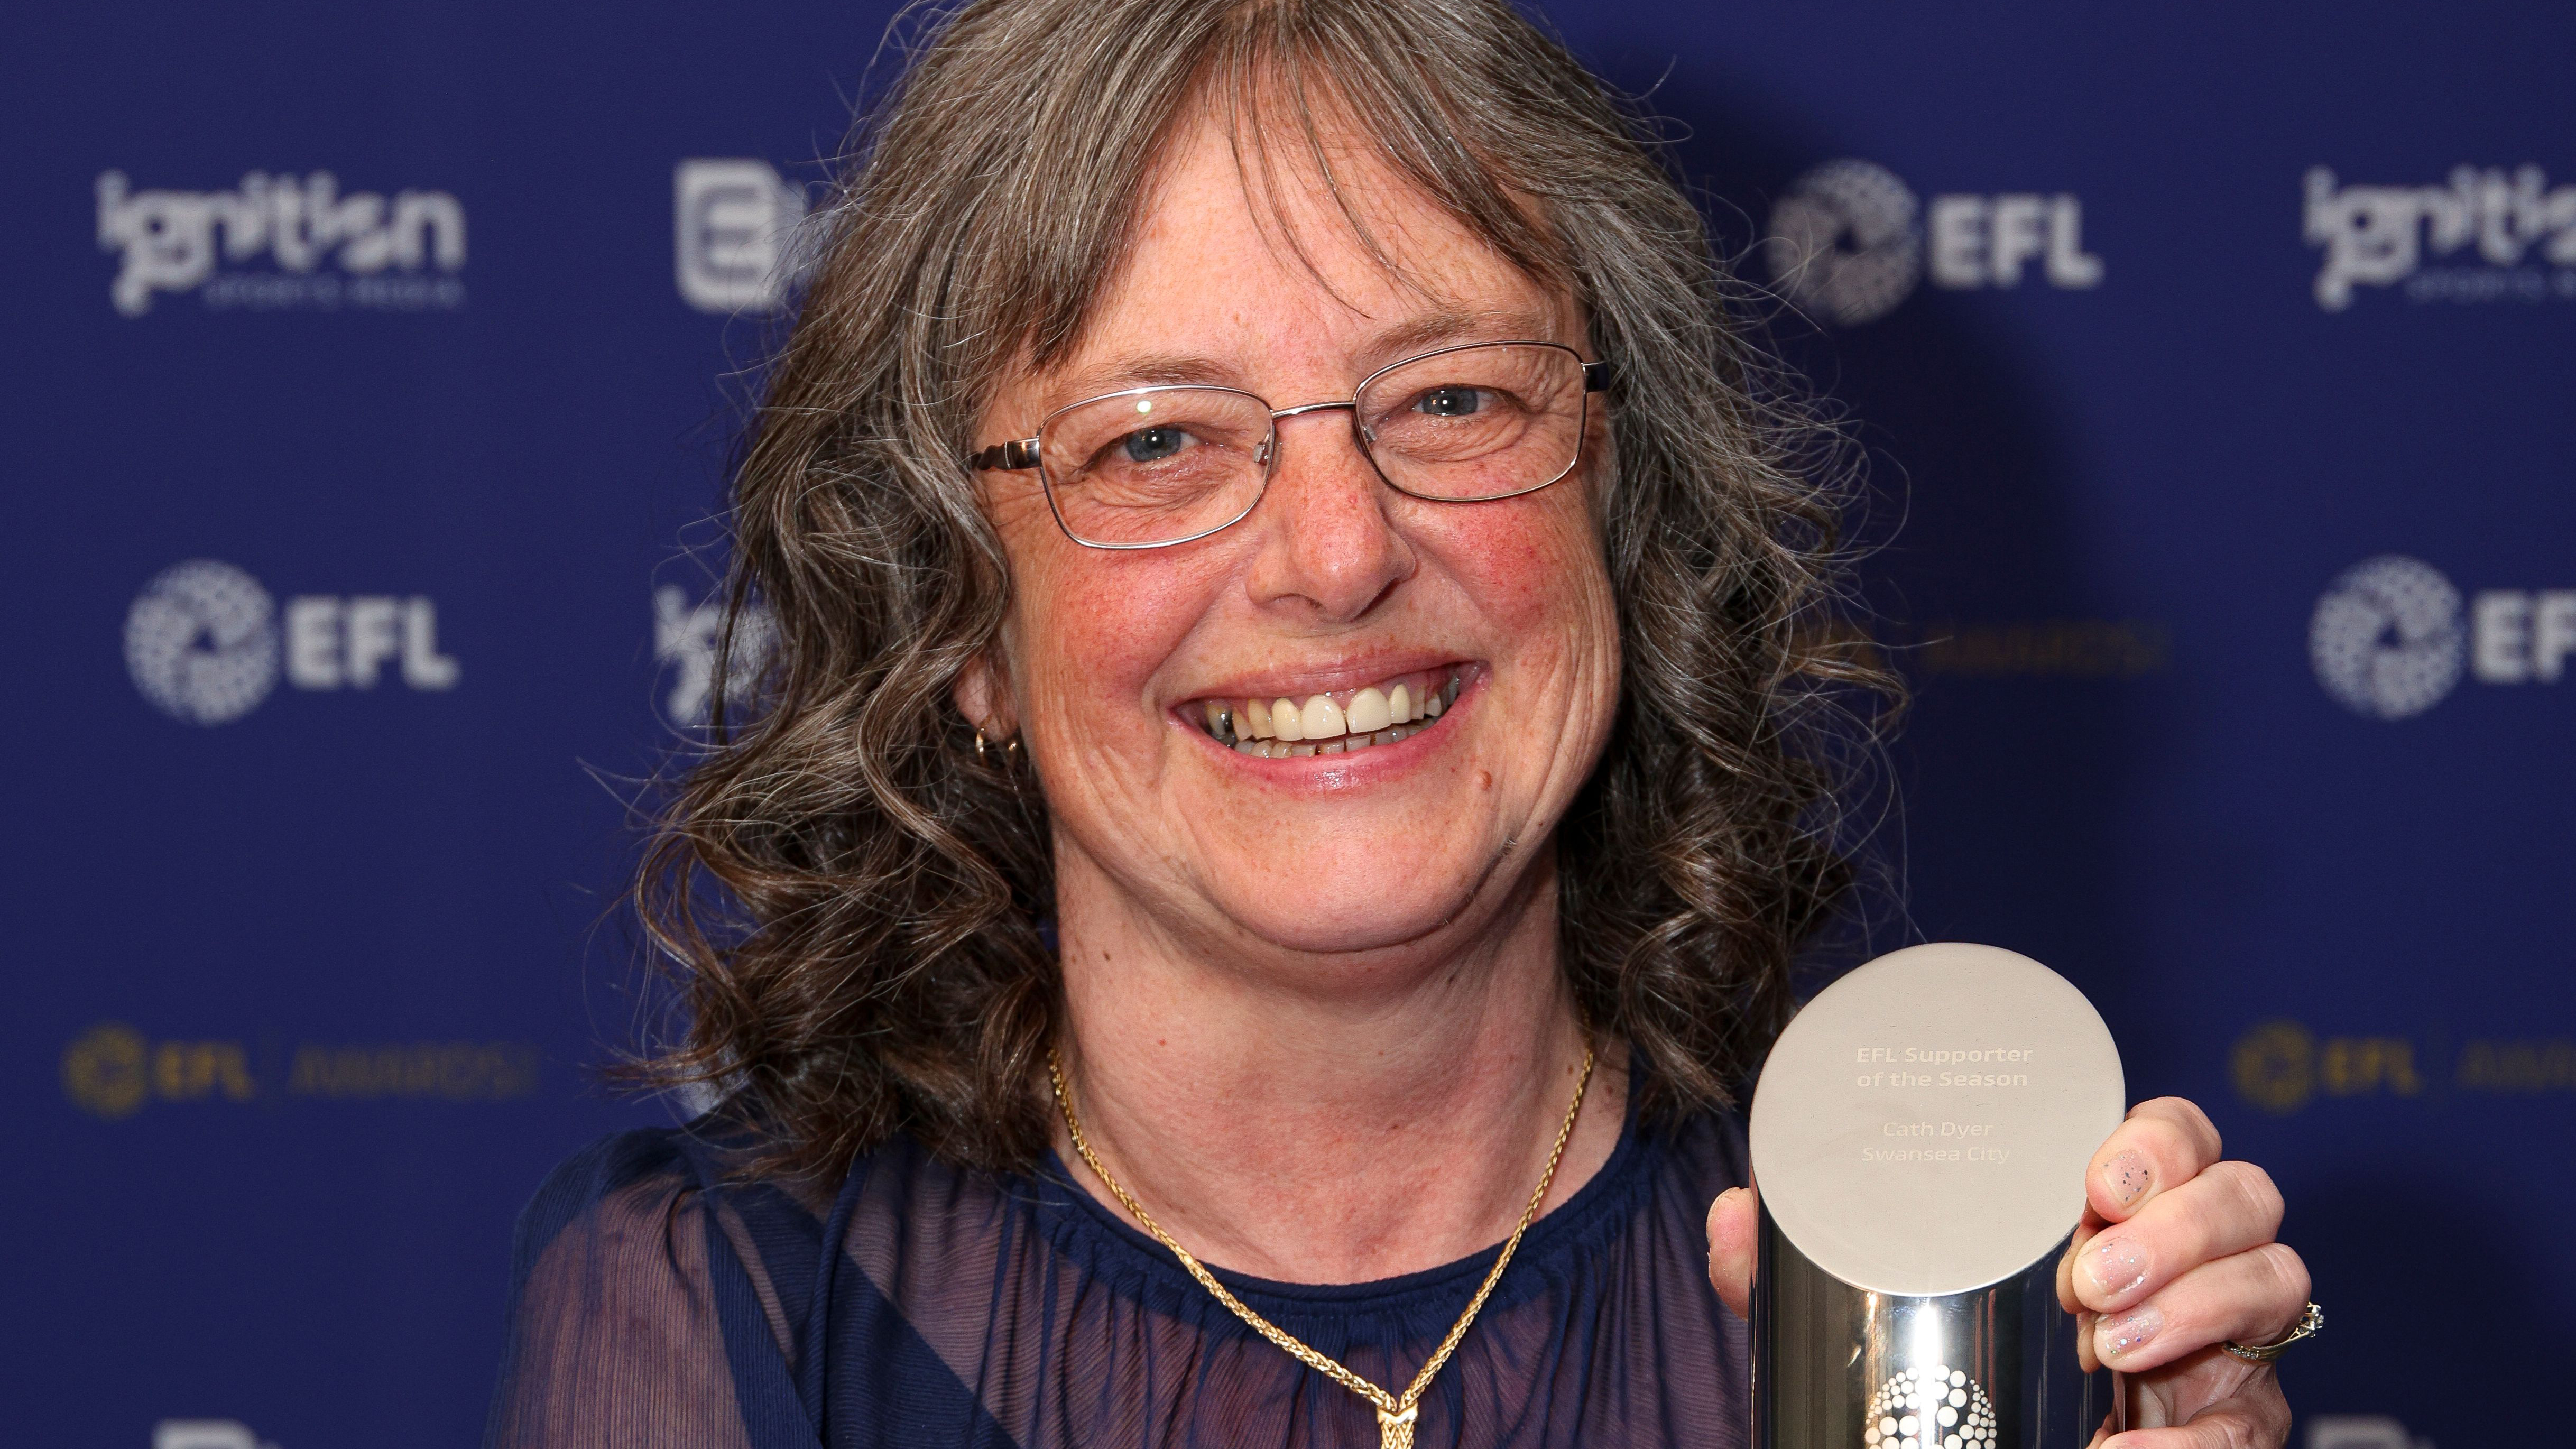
(1730, 1248)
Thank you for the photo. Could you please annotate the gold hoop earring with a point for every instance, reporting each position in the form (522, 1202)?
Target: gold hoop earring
(979, 748)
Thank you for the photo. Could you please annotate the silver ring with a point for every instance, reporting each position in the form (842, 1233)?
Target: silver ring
(2309, 1322)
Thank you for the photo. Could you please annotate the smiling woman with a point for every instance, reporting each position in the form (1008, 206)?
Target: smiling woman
(1274, 207)
(1298, 686)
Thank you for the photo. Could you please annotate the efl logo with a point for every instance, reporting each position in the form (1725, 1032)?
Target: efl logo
(2389, 640)
(206, 1434)
(202, 642)
(1848, 242)
(2361, 1431)
(736, 225)
(2378, 236)
(173, 241)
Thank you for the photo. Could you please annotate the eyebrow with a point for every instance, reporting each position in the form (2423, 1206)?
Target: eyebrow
(1427, 332)
(1435, 330)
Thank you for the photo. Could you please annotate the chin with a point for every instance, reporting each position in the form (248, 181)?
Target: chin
(1339, 910)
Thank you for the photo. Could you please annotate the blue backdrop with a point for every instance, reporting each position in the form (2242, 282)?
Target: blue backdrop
(371, 372)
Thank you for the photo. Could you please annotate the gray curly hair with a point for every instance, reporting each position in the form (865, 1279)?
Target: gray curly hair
(853, 906)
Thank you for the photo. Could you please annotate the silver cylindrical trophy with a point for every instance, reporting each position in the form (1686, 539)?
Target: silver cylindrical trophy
(1920, 1135)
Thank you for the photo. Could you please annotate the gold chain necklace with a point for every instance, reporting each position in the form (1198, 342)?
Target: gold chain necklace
(1395, 1415)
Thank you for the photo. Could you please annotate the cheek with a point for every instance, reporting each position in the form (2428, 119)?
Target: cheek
(1533, 569)
(1092, 628)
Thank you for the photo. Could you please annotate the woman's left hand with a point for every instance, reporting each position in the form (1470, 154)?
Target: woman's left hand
(2174, 1257)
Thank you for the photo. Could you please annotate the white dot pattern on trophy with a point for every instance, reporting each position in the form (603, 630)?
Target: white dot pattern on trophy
(1937, 1407)
(201, 642)
(1844, 241)
(2388, 638)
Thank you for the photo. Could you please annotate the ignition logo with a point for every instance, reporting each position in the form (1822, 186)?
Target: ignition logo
(2379, 235)
(2388, 639)
(1848, 241)
(173, 241)
(736, 224)
(685, 638)
(202, 642)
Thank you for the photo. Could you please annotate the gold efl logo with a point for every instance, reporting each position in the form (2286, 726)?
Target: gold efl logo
(111, 1071)
(2280, 1066)
(103, 1070)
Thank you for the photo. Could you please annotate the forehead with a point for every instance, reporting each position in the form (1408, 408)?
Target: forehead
(1270, 258)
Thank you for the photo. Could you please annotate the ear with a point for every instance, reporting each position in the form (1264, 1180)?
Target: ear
(984, 696)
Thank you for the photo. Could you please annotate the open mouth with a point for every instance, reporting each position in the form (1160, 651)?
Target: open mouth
(1334, 723)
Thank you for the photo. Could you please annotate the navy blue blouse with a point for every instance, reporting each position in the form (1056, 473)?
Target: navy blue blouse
(654, 1304)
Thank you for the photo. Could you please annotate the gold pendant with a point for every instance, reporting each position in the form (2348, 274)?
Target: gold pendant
(1394, 1430)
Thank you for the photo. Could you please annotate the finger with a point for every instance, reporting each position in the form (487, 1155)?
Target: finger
(2082, 1237)
(2255, 1417)
(2228, 1208)
(2251, 1297)
(2164, 1144)
(1730, 1248)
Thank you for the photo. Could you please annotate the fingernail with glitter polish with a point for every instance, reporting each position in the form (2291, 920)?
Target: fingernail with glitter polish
(2120, 1337)
(2129, 1176)
(2115, 1265)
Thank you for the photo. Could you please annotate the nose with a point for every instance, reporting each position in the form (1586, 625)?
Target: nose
(1327, 547)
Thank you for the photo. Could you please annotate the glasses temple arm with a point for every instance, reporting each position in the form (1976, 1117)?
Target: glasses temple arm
(1008, 457)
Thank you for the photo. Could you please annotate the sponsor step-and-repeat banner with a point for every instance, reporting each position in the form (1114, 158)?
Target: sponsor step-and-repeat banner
(375, 374)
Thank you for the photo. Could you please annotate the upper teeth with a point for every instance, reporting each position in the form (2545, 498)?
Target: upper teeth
(1379, 714)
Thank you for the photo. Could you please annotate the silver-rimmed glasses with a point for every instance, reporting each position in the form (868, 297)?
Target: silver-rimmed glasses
(1148, 467)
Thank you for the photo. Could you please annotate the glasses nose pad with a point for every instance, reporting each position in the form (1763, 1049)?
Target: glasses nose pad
(1261, 455)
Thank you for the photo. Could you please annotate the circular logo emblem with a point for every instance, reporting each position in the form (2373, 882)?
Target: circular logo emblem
(1844, 241)
(1929, 1408)
(103, 1071)
(2275, 1066)
(2388, 639)
(201, 642)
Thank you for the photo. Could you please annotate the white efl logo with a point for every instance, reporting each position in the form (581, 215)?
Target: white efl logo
(2388, 639)
(1848, 241)
(684, 638)
(2361, 1431)
(173, 241)
(334, 643)
(2378, 236)
(206, 1434)
(202, 642)
(736, 223)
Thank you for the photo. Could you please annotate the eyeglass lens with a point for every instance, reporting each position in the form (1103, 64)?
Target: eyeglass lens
(1167, 464)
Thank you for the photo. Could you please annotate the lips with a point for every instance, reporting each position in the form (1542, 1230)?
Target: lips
(1331, 723)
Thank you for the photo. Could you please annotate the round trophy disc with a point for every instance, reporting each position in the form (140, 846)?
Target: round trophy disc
(1923, 1125)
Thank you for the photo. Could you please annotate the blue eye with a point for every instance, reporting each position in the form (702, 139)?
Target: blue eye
(1152, 445)
(1450, 402)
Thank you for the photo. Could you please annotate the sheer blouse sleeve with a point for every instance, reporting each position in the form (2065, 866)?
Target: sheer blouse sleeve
(639, 1315)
